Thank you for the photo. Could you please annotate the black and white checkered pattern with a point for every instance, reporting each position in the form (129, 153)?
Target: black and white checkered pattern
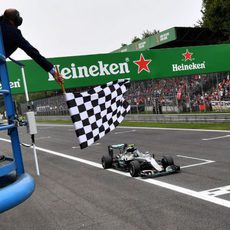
(98, 111)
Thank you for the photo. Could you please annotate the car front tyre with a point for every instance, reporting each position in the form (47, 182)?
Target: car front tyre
(134, 168)
(106, 162)
(167, 161)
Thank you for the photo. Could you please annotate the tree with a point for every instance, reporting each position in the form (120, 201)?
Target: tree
(148, 33)
(145, 34)
(216, 17)
(135, 39)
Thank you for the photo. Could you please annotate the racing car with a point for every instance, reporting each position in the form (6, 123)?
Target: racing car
(128, 158)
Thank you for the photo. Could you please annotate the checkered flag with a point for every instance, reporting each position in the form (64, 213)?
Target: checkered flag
(98, 111)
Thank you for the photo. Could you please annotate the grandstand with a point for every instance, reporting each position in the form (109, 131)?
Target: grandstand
(206, 92)
(187, 94)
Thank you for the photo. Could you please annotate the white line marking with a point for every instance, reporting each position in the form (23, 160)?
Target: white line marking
(70, 130)
(62, 155)
(193, 165)
(76, 147)
(133, 127)
(217, 191)
(175, 188)
(70, 157)
(6, 140)
(215, 138)
(129, 131)
(195, 158)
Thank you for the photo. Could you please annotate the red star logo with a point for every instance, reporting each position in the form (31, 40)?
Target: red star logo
(187, 55)
(143, 64)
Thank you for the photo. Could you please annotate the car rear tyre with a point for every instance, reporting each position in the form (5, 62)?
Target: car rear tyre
(167, 161)
(106, 161)
(134, 168)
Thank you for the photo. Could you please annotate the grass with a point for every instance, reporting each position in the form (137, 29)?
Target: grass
(214, 126)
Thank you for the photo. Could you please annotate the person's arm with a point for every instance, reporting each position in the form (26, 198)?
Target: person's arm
(23, 44)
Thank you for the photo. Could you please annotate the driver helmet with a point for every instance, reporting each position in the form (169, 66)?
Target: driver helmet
(131, 148)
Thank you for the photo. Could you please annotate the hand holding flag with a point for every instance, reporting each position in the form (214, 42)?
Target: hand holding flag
(59, 79)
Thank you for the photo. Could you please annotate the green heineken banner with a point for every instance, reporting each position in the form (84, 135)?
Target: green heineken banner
(90, 70)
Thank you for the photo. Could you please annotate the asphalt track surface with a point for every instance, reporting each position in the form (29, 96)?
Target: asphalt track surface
(74, 192)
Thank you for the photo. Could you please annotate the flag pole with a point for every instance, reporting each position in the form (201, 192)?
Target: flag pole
(32, 123)
(32, 128)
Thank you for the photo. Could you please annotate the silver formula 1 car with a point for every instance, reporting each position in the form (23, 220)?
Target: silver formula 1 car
(129, 158)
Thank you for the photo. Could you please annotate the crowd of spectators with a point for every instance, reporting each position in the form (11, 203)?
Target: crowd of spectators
(187, 94)
(184, 94)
